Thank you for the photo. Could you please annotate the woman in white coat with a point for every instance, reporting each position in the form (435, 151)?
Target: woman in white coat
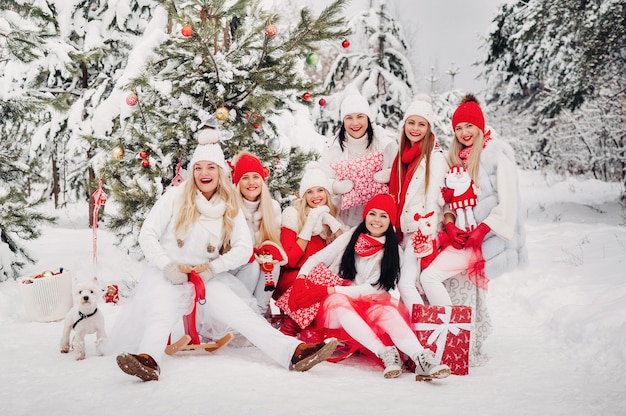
(198, 225)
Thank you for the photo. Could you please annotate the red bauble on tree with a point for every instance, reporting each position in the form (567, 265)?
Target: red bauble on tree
(256, 126)
(145, 163)
(322, 102)
(306, 96)
(143, 154)
(271, 30)
(345, 43)
(186, 31)
(132, 100)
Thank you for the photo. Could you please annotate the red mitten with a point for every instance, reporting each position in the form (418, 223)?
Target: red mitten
(299, 286)
(313, 293)
(447, 194)
(456, 236)
(477, 235)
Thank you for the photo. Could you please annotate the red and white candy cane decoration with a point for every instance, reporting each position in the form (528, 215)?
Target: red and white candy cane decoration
(99, 199)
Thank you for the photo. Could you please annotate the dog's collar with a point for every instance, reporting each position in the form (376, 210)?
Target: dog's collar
(83, 316)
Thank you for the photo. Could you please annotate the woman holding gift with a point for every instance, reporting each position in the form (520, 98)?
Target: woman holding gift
(263, 216)
(198, 226)
(417, 175)
(361, 153)
(309, 225)
(497, 244)
(369, 263)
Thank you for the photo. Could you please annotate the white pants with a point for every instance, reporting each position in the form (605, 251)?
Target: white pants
(225, 306)
(448, 263)
(341, 314)
(253, 278)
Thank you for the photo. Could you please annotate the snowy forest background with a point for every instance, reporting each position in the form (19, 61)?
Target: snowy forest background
(116, 90)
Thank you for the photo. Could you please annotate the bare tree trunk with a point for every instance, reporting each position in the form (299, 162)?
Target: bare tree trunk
(55, 181)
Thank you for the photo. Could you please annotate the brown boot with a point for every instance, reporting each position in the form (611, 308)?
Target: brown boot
(139, 365)
(308, 355)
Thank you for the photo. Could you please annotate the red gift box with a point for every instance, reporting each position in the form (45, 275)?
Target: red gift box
(360, 171)
(321, 275)
(445, 330)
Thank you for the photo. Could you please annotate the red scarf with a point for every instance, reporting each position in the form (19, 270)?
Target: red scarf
(466, 151)
(366, 246)
(399, 181)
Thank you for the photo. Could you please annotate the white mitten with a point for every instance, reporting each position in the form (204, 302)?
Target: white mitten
(312, 220)
(205, 271)
(382, 176)
(342, 187)
(331, 221)
(174, 275)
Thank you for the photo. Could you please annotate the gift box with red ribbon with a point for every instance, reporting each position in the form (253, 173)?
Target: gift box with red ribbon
(445, 330)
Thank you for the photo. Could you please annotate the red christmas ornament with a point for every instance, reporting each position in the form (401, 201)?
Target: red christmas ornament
(143, 154)
(306, 96)
(145, 163)
(256, 126)
(271, 30)
(186, 31)
(345, 43)
(132, 100)
(322, 102)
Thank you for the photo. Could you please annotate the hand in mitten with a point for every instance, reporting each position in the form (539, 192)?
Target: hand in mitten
(299, 286)
(477, 235)
(312, 220)
(312, 293)
(447, 194)
(174, 275)
(342, 187)
(382, 176)
(331, 221)
(456, 235)
(205, 271)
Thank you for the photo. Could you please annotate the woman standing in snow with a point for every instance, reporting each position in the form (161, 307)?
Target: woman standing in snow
(368, 259)
(308, 225)
(359, 159)
(417, 175)
(199, 226)
(497, 244)
(263, 216)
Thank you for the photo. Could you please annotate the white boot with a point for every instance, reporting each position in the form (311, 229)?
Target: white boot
(391, 359)
(426, 368)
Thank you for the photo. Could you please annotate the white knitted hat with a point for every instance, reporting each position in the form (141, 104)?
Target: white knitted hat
(421, 106)
(209, 149)
(354, 102)
(314, 176)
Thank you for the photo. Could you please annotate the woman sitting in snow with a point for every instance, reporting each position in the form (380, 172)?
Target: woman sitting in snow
(368, 259)
(198, 225)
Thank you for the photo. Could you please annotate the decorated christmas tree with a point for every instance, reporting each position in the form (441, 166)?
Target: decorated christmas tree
(230, 65)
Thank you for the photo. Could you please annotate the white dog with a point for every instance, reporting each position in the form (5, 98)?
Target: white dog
(84, 318)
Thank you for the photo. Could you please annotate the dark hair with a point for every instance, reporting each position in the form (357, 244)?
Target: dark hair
(389, 266)
(341, 135)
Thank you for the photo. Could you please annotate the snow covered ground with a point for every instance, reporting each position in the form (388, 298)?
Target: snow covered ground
(558, 347)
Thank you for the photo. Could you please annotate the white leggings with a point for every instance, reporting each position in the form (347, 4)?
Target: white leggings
(341, 314)
(448, 263)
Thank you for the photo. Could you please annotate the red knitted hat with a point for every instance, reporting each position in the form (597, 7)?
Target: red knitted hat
(383, 202)
(248, 163)
(469, 112)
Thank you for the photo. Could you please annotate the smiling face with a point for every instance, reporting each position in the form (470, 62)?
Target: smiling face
(377, 222)
(206, 176)
(416, 128)
(466, 133)
(251, 185)
(355, 124)
(315, 197)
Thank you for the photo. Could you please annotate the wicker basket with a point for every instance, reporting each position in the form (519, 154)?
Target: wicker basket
(47, 298)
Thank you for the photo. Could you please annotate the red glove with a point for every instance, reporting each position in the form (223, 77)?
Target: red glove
(307, 297)
(456, 235)
(299, 286)
(477, 235)
(447, 194)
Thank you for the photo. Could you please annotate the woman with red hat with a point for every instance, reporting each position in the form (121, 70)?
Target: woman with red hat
(367, 258)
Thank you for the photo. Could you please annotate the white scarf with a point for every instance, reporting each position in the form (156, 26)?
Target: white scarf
(211, 213)
(253, 216)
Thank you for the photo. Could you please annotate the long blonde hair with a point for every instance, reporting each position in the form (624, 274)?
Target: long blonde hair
(303, 211)
(188, 213)
(426, 149)
(473, 161)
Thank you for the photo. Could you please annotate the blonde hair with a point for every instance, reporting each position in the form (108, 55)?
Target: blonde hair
(303, 209)
(426, 149)
(473, 161)
(188, 213)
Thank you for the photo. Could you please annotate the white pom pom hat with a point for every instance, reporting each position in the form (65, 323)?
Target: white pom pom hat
(421, 106)
(209, 149)
(314, 176)
(354, 102)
